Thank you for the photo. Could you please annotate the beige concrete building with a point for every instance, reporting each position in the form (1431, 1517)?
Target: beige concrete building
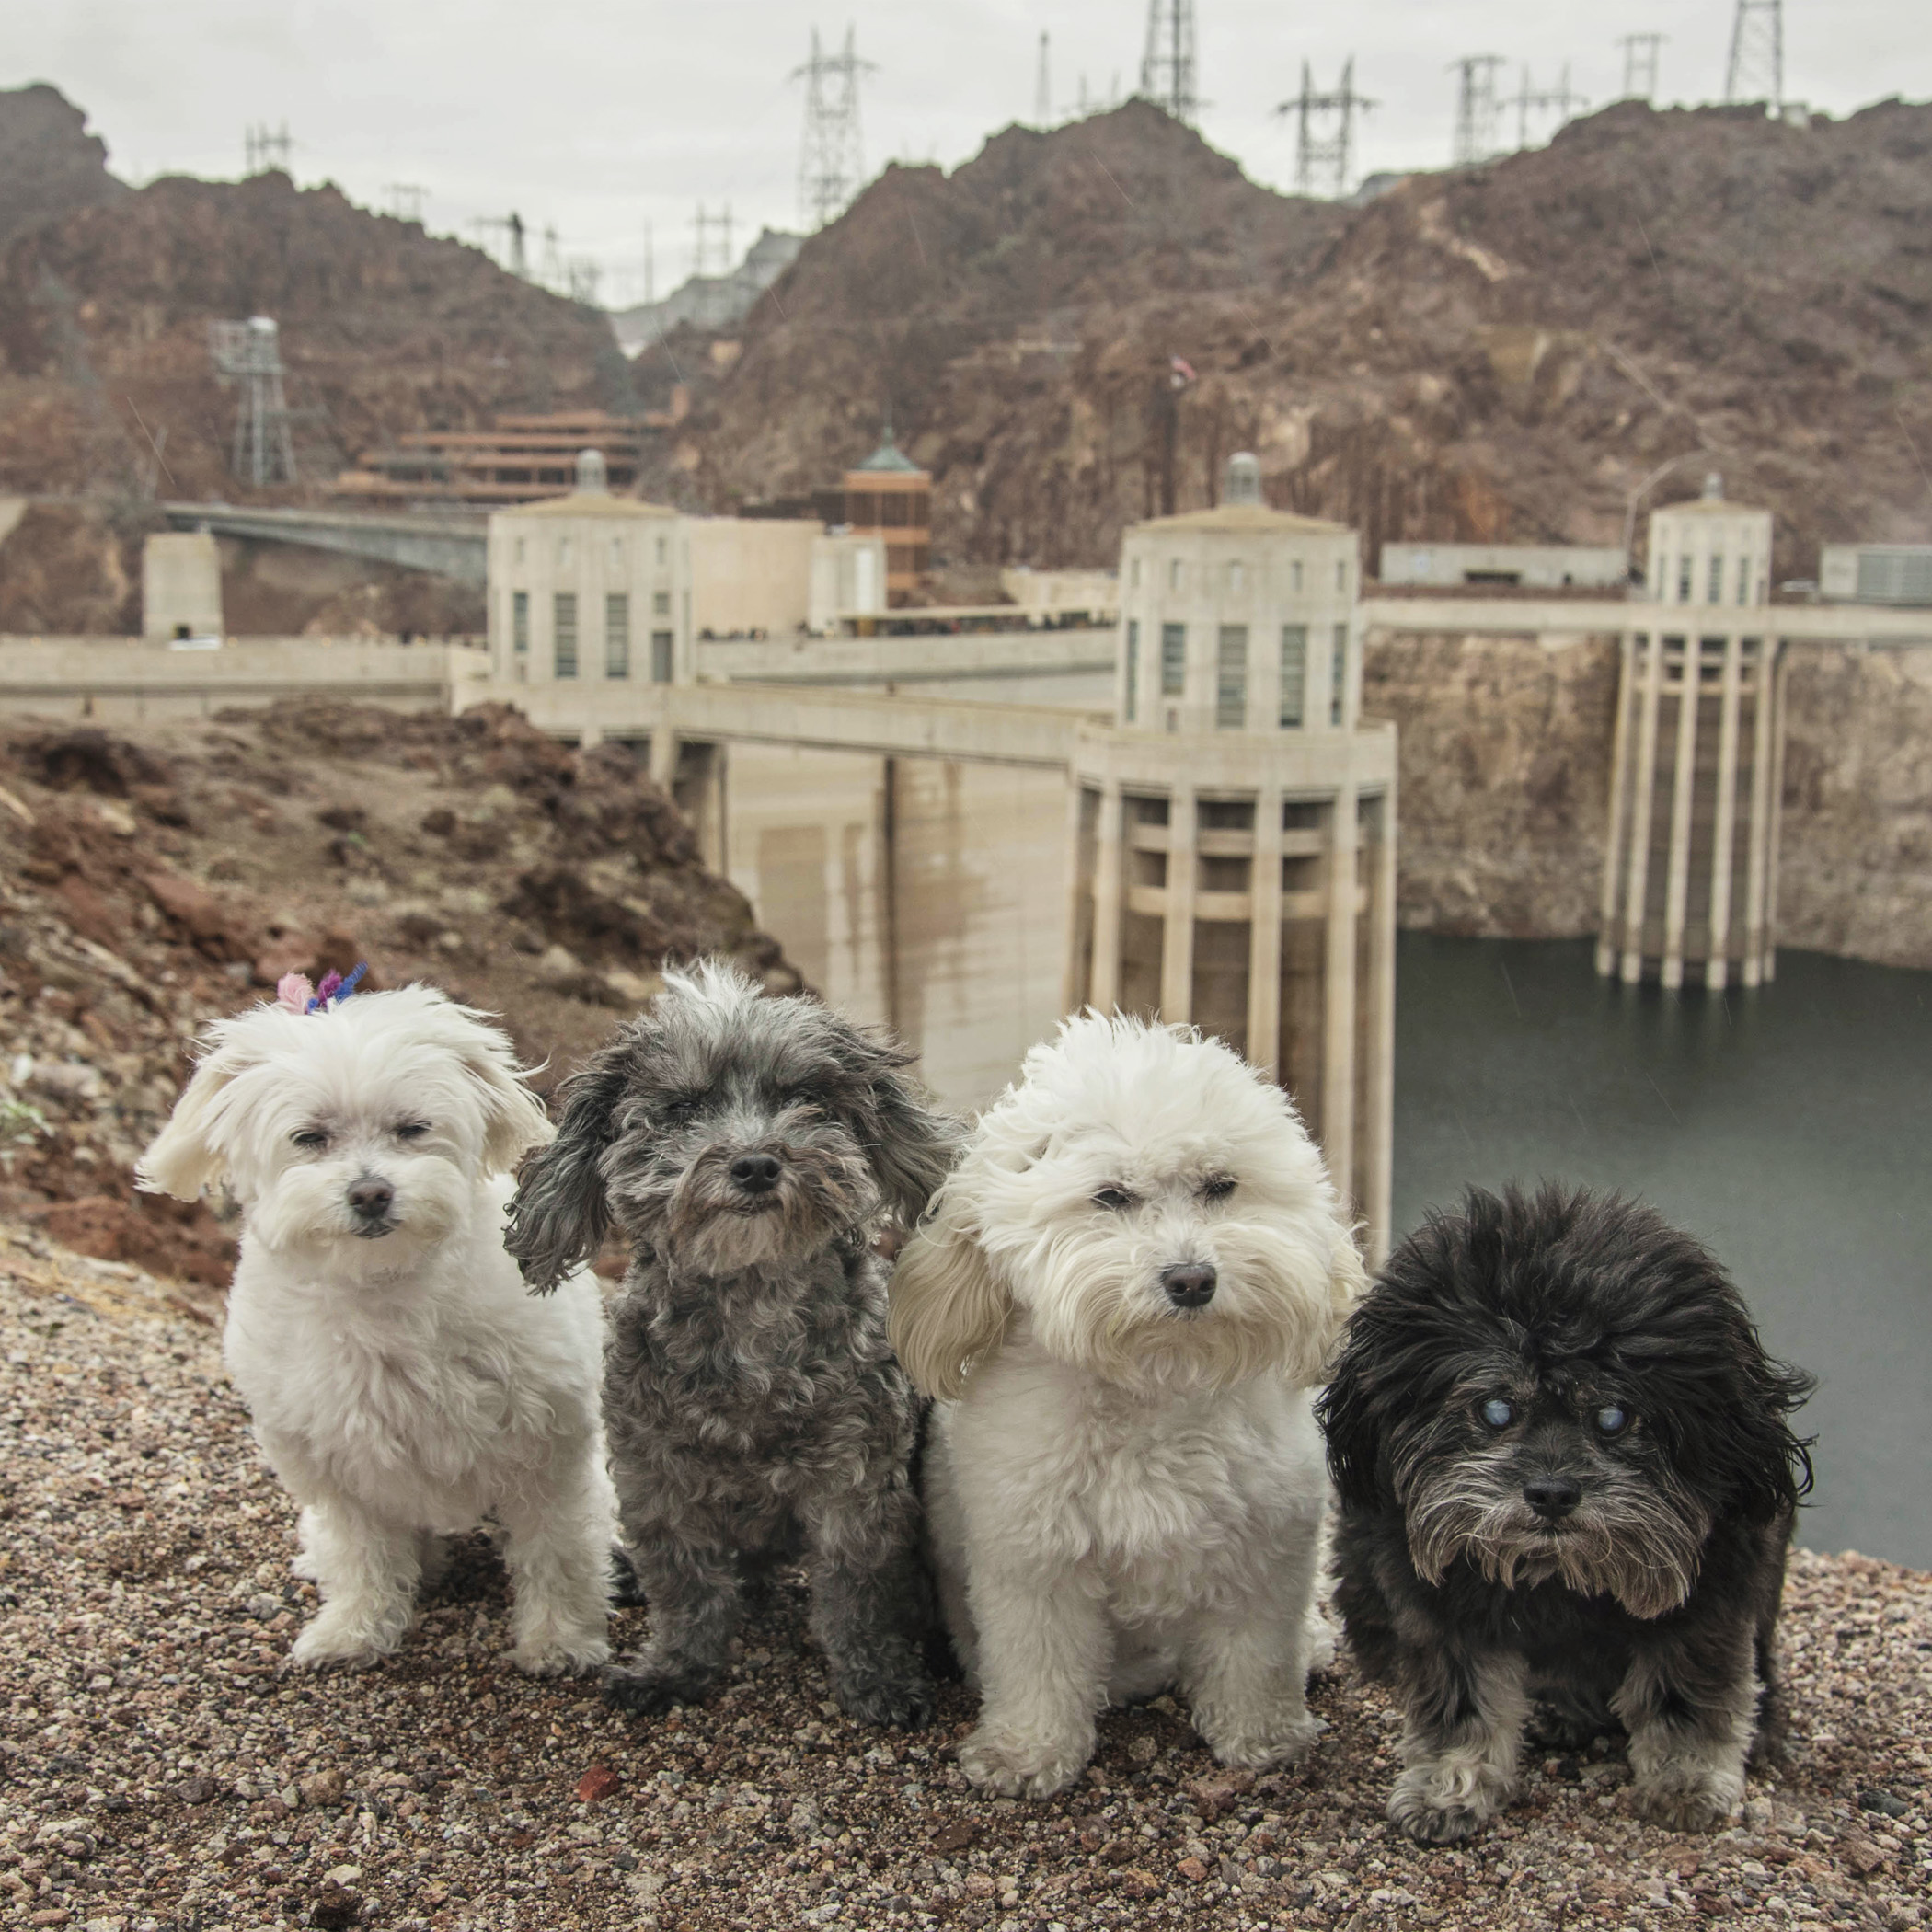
(1234, 831)
(590, 588)
(181, 585)
(1690, 872)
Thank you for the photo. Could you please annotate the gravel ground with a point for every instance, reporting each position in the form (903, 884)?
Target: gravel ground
(159, 1770)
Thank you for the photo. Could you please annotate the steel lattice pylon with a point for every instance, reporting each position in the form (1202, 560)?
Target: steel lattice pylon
(1478, 112)
(1325, 162)
(832, 163)
(249, 353)
(1167, 65)
(1756, 68)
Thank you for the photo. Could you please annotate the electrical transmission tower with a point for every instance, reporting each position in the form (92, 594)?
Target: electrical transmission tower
(406, 200)
(249, 353)
(1640, 64)
(267, 147)
(1559, 100)
(832, 163)
(704, 226)
(1756, 69)
(1167, 66)
(1042, 89)
(505, 232)
(1479, 113)
(1325, 133)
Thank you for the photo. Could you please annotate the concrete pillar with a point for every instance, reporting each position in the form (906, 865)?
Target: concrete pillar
(663, 756)
(1338, 1070)
(1379, 1185)
(1758, 833)
(180, 585)
(1079, 901)
(1684, 780)
(1620, 791)
(1779, 671)
(1177, 953)
(1643, 779)
(1717, 968)
(1104, 985)
(1264, 936)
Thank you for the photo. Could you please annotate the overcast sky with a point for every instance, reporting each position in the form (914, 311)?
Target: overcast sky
(602, 116)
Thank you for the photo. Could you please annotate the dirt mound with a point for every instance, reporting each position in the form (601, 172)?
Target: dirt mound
(152, 880)
(50, 165)
(1504, 353)
(104, 316)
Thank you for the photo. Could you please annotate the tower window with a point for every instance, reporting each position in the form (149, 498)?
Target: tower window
(1130, 695)
(563, 617)
(1743, 580)
(1231, 678)
(1173, 660)
(1339, 675)
(1683, 580)
(1717, 580)
(661, 657)
(616, 635)
(520, 620)
(1294, 672)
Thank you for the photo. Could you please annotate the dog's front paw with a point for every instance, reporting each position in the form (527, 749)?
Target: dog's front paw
(650, 1691)
(343, 1639)
(904, 1703)
(1433, 1814)
(1015, 1766)
(1270, 1738)
(1687, 1798)
(558, 1657)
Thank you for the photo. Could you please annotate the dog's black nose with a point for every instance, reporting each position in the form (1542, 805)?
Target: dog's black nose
(756, 1173)
(1553, 1496)
(371, 1197)
(1188, 1287)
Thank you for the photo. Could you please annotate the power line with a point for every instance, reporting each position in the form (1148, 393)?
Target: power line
(832, 163)
(1756, 68)
(1167, 65)
(1325, 133)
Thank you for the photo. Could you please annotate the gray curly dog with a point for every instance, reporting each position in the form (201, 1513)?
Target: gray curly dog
(748, 1150)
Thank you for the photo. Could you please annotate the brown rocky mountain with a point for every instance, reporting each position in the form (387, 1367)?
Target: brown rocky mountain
(1502, 354)
(104, 316)
(50, 165)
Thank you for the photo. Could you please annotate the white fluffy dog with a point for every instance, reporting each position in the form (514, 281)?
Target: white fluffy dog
(1120, 1298)
(404, 1384)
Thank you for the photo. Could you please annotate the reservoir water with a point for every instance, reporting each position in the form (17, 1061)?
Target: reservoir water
(1787, 1127)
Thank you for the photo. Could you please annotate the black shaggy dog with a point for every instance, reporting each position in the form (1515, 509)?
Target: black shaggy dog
(748, 1150)
(1566, 1476)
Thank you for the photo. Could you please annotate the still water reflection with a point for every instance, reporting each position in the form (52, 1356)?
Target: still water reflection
(1785, 1127)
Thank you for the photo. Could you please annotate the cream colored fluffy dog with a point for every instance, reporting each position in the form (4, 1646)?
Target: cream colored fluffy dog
(403, 1384)
(1122, 1297)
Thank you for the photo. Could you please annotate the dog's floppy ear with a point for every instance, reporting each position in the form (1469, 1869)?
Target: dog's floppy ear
(911, 1143)
(560, 1214)
(947, 1307)
(1351, 1418)
(514, 1119)
(1768, 1466)
(184, 1158)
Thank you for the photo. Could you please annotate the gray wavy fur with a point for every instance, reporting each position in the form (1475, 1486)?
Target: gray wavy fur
(754, 1408)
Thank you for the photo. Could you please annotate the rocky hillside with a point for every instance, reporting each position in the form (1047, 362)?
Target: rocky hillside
(104, 317)
(1504, 353)
(50, 165)
(152, 881)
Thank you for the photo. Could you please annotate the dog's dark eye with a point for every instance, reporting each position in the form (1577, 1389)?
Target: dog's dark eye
(310, 1137)
(1612, 1419)
(1498, 1414)
(412, 1129)
(805, 1096)
(1113, 1198)
(1219, 1188)
(679, 1106)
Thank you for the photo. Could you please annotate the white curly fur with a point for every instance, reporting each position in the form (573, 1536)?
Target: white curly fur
(404, 1385)
(1124, 1494)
